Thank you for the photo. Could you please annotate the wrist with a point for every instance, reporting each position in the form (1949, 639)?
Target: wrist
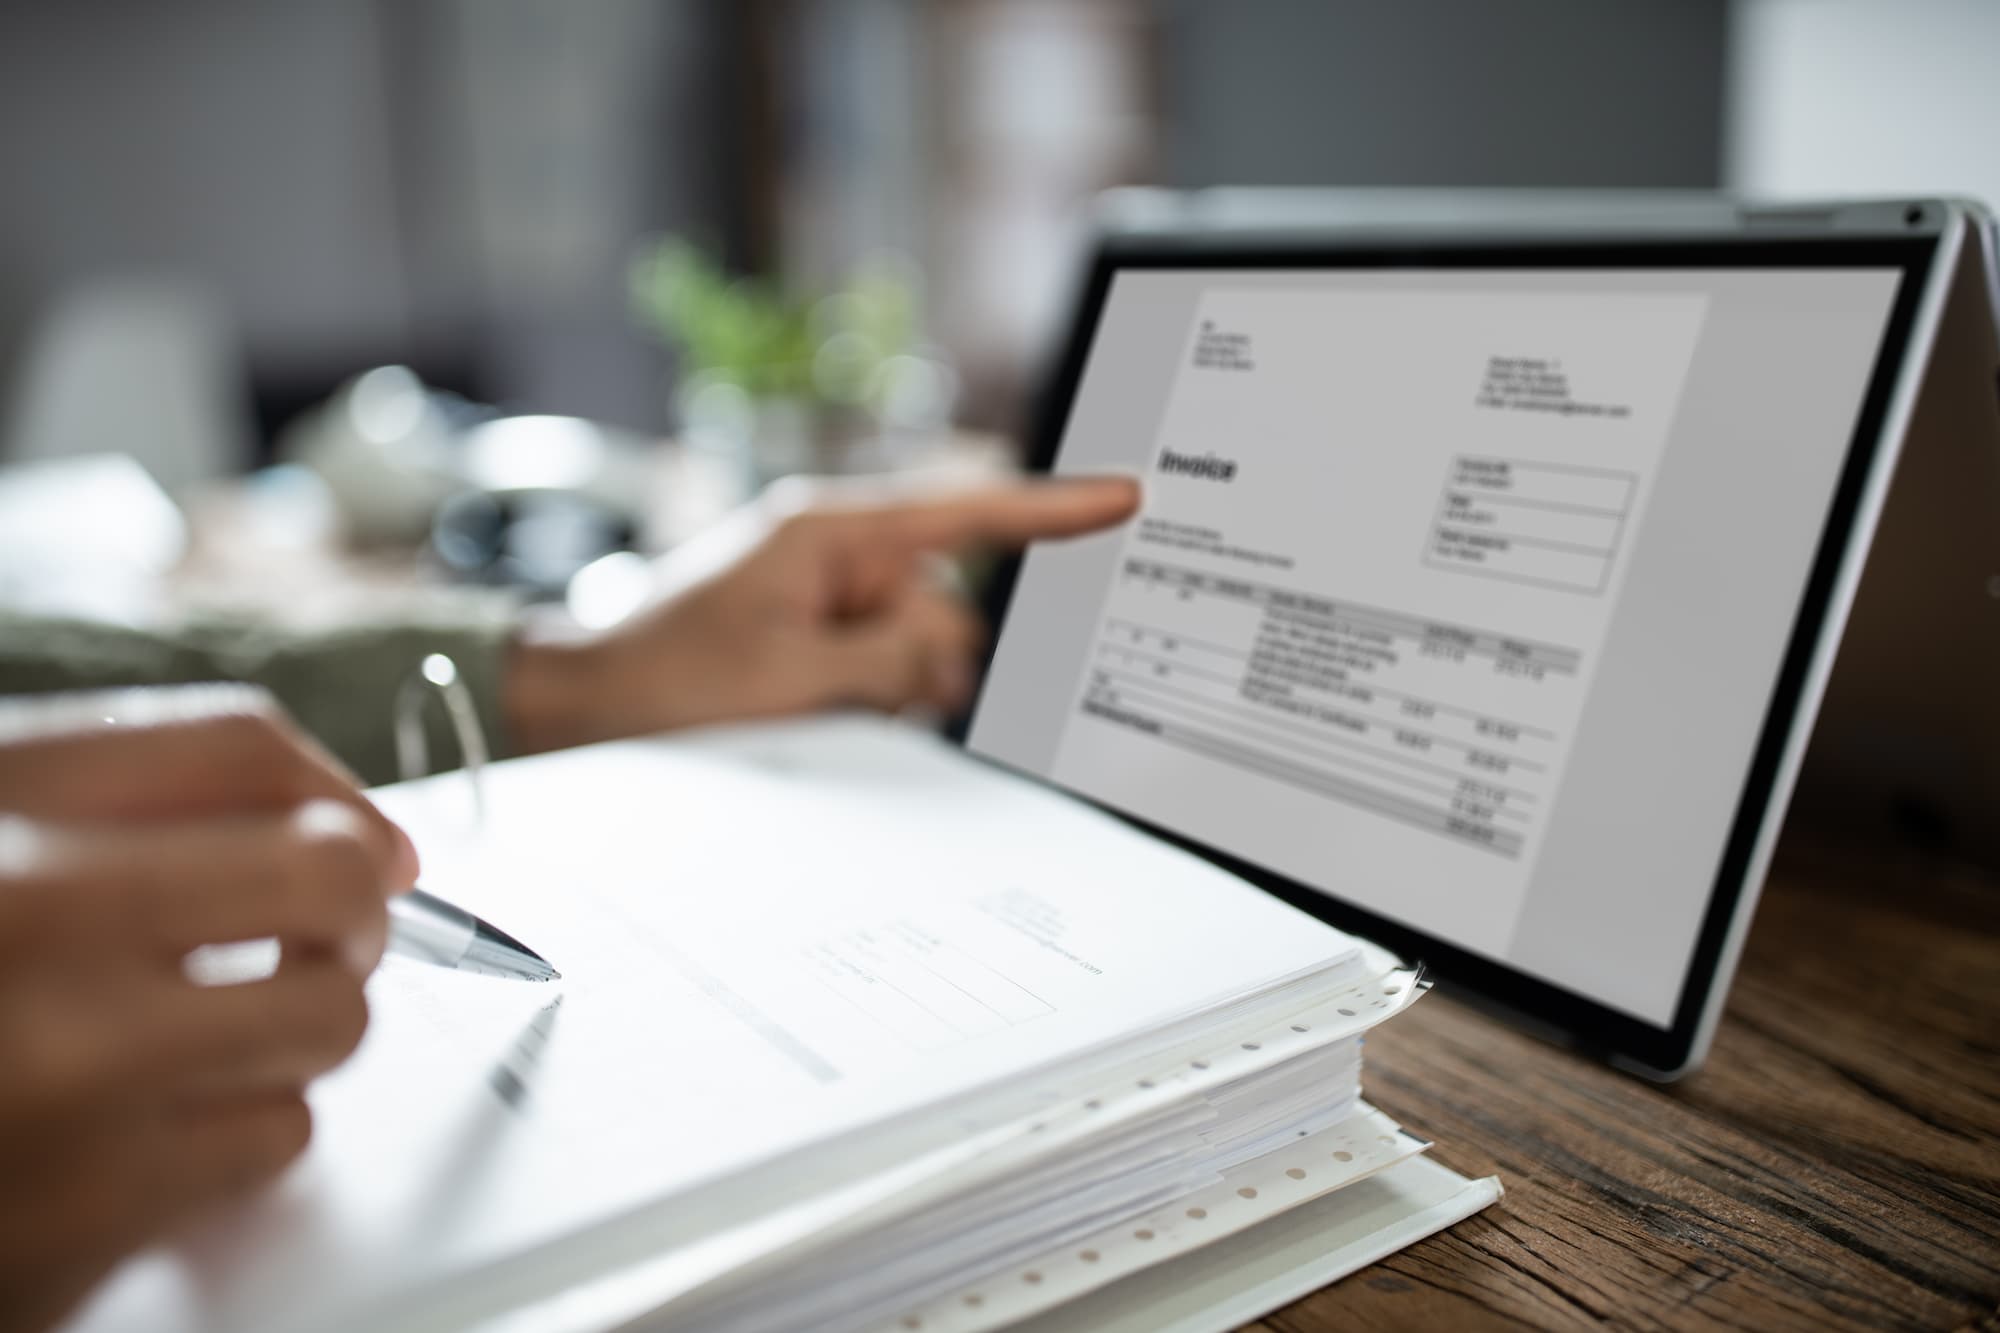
(551, 689)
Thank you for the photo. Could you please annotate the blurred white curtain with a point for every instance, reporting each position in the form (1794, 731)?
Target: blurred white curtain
(1833, 97)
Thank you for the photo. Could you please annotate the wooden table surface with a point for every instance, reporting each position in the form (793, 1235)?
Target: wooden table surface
(1836, 1164)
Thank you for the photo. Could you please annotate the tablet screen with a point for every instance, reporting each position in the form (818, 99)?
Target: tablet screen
(1459, 595)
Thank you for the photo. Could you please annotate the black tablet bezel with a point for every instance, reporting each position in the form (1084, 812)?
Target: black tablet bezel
(1592, 1025)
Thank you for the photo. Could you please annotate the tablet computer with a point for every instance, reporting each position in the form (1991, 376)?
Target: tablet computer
(1484, 586)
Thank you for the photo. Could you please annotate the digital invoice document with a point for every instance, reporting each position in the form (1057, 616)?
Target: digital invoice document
(1276, 617)
(1440, 576)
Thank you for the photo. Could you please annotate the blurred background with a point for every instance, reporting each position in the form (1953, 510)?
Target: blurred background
(462, 267)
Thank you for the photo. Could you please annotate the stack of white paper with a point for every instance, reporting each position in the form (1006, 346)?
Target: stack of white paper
(853, 1032)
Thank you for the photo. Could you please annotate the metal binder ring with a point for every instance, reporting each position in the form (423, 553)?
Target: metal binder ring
(437, 677)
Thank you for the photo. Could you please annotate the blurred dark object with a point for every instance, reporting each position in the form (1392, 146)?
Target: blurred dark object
(521, 501)
(534, 540)
(1571, 93)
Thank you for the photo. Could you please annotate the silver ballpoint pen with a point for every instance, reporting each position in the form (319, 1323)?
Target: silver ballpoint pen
(427, 928)
(422, 925)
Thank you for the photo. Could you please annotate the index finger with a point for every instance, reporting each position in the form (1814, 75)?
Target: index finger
(172, 752)
(1006, 514)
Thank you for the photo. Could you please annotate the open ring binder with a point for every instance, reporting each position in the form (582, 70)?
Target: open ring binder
(437, 677)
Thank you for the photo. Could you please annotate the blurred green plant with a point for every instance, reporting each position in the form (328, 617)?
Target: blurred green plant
(833, 350)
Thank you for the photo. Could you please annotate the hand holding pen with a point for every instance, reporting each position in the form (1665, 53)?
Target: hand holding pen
(136, 828)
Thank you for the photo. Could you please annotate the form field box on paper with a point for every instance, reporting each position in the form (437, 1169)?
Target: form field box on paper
(1599, 490)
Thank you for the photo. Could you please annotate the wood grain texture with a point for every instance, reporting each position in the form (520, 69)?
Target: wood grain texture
(1835, 1165)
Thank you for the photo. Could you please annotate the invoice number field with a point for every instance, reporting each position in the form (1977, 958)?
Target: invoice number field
(1546, 524)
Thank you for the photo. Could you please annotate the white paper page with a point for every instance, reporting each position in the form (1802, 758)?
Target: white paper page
(1358, 618)
(767, 938)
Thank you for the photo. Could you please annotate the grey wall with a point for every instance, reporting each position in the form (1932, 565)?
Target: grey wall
(1442, 92)
(240, 143)
(460, 180)
(454, 182)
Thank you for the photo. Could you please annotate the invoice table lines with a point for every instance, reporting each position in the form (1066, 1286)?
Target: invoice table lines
(1174, 640)
(1141, 692)
(1480, 832)
(1283, 683)
(1363, 620)
(1406, 734)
